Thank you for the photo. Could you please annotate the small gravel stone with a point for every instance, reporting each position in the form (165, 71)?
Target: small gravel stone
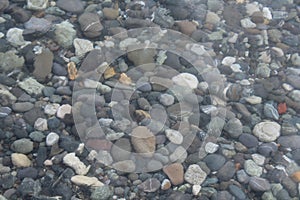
(86, 181)
(52, 138)
(227, 171)
(259, 184)
(15, 37)
(267, 131)
(37, 136)
(90, 25)
(82, 46)
(31, 86)
(242, 176)
(237, 192)
(51, 109)
(143, 141)
(252, 168)
(254, 100)
(72, 161)
(234, 127)
(20, 160)
(10, 61)
(248, 140)
(74, 6)
(41, 124)
(174, 136)
(179, 155)
(63, 110)
(43, 65)
(214, 161)
(195, 175)
(22, 107)
(37, 4)
(211, 147)
(186, 80)
(125, 166)
(101, 193)
(270, 111)
(22, 146)
(175, 173)
(60, 36)
(292, 141)
(166, 99)
(247, 23)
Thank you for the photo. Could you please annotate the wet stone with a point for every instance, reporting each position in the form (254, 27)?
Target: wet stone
(74, 6)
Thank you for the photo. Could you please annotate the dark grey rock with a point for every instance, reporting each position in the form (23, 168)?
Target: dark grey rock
(283, 195)
(226, 172)
(29, 187)
(292, 141)
(22, 107)
(121, 149)
(59, 70)
(90, 25)
(29, 172)
(74, 6)
(234, 127)
(22, 146)
(214, 161)
(259, 184)
(101, 193)
(248, 140)
(237, 192)
(267, 149)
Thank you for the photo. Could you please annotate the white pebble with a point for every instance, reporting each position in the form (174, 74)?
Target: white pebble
(63, 110)
(228, 61)
(73, 161)
(196, 189)
(186, 80)
(253, 100)
(41, 124)
(211, 147)
(51, 109)
(52, 138)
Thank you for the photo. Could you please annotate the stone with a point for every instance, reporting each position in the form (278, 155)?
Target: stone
(296, 59)
(22, 146)
(186, 27)
(295, 95)
(143, 141)
(31, 86)
(63, 110)
(212, 18)
(247, 23)
(41, 124)
(52, 138)
(37, 4)
(267, 131)
(248, 140)
(186, 80)
(254, 100)
(15, 37)
(242, 176)
(258, 159)
(121, 150)
(10, 61)
(150, 185)
(141, 57)
(237, 192)
(3, 5)
(252, 168)
(101, 193)
(59, 70)
(82, 46)
(175, 173)
(166, 184)
(37, 136)
(211, 147)
(64, 34)
(263, 71)
(294, 81)
(22, 107)
(20, 160)
(86, 181)
(174, 136)
(29, 187)
(228, 61)
(259, 184)
(267, 149)
(43, 65)
(73, 6)
(270, 111)
(90, 25)
(214, 161)
(124, 166)
(234, 127)
(227, 171)
(74, 162)
(38, 24)
(104, 157)
(195, 175)
(51, 109)
(110, 13)
(292, 141)
(179, 155)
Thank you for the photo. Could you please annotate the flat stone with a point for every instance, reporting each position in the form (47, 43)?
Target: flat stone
(295, 95)
(31, 86)
(82, 46)
(179, 155)
(74, 162)
(143, 141)
(270, 111)
(247, 23)
(294, 81)
(259, 184)
(64, 34)
(234, 127)
(186, 80)
(267, 131)
(214, 161)
(22, 146)
(90, 25)
(22, 107)
(227, 171)
(15, 37)
(20, 160)
(195, 175)
(121, 150)
(73, 6)
(253, 100)
(43, 65)
(175, 173)
(248, 140)
(37, 4)
(101, 193)
(174, 136)
(124, 166)
(86, 181)
(292, 141)
(10, 61)
(38, 24)
(211, 147)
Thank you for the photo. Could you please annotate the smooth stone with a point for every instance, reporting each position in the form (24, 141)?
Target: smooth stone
(254, 100)
(296, 59)
(212, 18)
(73, 6)
(263, 71)
(154, 165)
(214, 161)
(86, 181)
(51, 109)
(37, 136)
(124, 166)
(267, 149)
(22, 107)
(247, 23)
(15, 37)
(59, 70)
(43, 65)
(211, 147)
(41, 124)
(20, 160)
(186, 27)
(294, 81)
(38, 24)
(242, 176)
(150, 185)
(4, 111)
(267, 131)
(90, 25)
(22, 146)
(3, 5)
(74, 162)
(292, 141)
(295, 95)
(195, 175)
(110, 13)
(215, 5)
(101, 193)
(52, 138)
(227, 171)
(121, 150)
(237, 192)
(82, 46)
(29, 187)
(31, 86)
(28, 172)
(166, 99)
(234, 127)
(248, 140)
(174, 136)
(37, 4)
(186, 80)
(10, 61)
(143, 141)
(141, 57)
(175, 173)
(270, 111)
(60, 36)
(179, 155)
(228, 61)
(63, 110)
(259, 184)
(252, 168)
(166, 184)
(104, 157)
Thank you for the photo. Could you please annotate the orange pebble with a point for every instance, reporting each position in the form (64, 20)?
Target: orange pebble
(282, 108)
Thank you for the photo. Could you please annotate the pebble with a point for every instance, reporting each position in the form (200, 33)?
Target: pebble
(74, 162)
(211, 147)
(101, 193)
(38, 24)
(214, 161)
(186, 27)
(258, 159)
(43, 65)
(63, 110)
(86, 181)
(178, 155)
(227, 171)
(295, 95)
(234, 127)
(195, 175)
(3, 5)
(143, 141)
(270, 111)
(259, 184)
(174, 136)
(267, 149)
(90, 25)
(10, 61)
(248, 140)
(292, 141)
(175, 173)
(237, 192)
(267, 131)
(22, 107)
(247, 23)
(252, 168)
(186, 80)
(294, 81)
(41, 124)
(296, 59)
(51, 109)
(37, 4)
(15, 37)
(253, 100)
(52, 138)
(73, 6)
(242, 176)
(110, 13)
(37, 136)
(29, 187)
(60, 36)
(4, 111)
(150, 185)
(22, 146)
(166, 99)
(31, 86)
(20, 160)
(124, 166)
(166, 184)
(82, 46)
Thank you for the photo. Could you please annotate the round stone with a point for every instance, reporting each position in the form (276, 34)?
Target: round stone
(267, 131)
(186, 80)
(52, 138)
(63, 110)
(41, 124)
(22, 146)
(20, 160)
(252, 168)
(195, 175)
(166, 99)
(211, 147)
(174, 136)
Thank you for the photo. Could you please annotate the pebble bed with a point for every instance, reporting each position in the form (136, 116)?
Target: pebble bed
(152, 99)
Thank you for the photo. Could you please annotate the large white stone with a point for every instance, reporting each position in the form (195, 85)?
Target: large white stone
(186, 80)
(267, 131)
(72, 161)
(82, 46)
